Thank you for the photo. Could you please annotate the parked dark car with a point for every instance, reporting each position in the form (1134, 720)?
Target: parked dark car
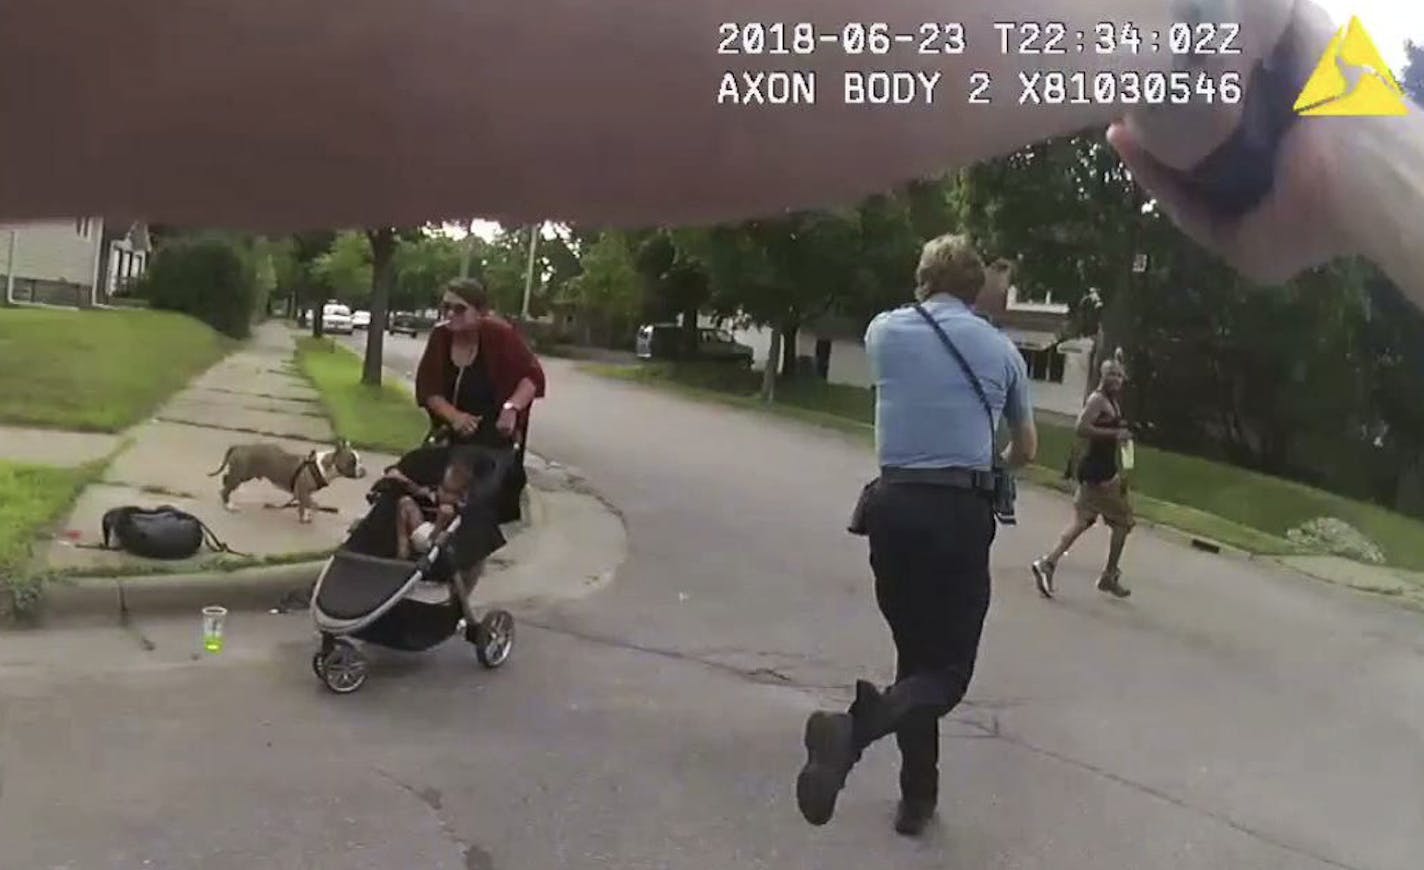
(664, 341)
(405, 322)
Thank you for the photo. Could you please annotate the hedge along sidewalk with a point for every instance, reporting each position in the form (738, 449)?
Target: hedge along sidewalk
(376, 418)
(1222, 503)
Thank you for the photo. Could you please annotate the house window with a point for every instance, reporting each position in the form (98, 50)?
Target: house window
(1044, 365)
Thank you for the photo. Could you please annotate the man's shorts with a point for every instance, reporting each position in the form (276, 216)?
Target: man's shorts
(1107, 500)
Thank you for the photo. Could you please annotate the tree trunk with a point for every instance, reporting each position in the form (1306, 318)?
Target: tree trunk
(688, 350)
(383, 249)
(1409, 491)
(823, 358)
(768, 378)
(317, 327)
(788, 350)
(104, 289)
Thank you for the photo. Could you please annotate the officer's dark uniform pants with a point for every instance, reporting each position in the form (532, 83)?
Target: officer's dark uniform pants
(929, 549)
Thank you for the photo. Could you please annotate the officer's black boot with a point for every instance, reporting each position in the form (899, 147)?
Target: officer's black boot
(834, 743)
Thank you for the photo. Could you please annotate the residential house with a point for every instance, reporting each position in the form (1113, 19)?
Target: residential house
(834, 348)
(69, 262)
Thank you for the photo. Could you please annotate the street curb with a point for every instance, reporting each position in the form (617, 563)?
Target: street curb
(260, 587)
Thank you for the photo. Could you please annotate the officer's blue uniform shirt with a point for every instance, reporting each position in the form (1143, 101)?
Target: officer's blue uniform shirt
(927, 414)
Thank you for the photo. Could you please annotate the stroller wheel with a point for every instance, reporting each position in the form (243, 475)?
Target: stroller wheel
(493, 638)
(318, 665)
(343, 669)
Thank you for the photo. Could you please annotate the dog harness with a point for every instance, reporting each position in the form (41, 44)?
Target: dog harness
(314, 463)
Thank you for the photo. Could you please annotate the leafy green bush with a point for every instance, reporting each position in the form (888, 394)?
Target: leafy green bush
(210, 277)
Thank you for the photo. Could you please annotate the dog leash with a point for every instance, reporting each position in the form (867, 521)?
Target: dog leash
(218, 545)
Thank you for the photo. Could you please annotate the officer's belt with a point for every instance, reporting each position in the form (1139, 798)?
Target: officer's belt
(955, 478)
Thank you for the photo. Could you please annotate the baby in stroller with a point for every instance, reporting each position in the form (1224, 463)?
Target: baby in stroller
(404, 576)
(423, 513)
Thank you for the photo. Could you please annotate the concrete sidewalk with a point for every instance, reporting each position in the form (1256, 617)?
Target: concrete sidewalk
(256, 394)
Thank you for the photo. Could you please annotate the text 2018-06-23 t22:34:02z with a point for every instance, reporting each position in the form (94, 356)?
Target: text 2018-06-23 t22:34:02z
(929, 38)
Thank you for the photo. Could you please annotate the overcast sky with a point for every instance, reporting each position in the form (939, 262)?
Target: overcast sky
(1388, 22)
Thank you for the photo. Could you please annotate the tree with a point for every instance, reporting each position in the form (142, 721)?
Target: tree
(675, 284)
(779, 273)
(346, 269)
(1411, 78)
(423, 266)
(558, 260)
(502, 268)
(307, 248)
(609, 290)
(382, 243)
(288, 276)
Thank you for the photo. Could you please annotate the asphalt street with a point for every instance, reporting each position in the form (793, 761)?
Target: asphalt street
(1229, 714)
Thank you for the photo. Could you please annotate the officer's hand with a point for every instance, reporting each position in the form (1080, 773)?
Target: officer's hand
(1298, 224)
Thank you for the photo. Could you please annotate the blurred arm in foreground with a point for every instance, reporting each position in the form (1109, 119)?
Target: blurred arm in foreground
(1342, 186)
(277, 115)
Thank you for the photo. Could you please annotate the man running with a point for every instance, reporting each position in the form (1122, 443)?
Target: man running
(1102, 491)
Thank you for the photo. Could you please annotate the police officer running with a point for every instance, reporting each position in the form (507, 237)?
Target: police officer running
(943, 377)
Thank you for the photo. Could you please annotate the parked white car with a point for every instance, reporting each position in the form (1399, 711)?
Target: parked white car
(336, 319)
(360, 319)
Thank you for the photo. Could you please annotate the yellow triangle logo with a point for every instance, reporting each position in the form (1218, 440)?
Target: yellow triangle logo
(1352, 80)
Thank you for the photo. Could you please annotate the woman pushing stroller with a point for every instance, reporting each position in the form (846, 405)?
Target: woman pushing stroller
(477, 380)
(444, 501)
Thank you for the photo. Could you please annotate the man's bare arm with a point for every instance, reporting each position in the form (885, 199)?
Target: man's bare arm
(1087, 419)
(280, 114)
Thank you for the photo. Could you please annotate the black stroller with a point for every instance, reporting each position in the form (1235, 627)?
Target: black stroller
(368, 594)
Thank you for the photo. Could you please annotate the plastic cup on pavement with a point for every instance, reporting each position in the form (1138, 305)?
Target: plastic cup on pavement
(214, 620)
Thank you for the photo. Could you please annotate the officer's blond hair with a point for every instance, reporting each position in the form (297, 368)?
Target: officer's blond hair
(949, 264)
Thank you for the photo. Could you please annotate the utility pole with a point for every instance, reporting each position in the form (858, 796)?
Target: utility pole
(10, 271)
(469, 250)
(534, 232)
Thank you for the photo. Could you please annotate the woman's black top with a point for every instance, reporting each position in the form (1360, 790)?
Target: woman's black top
(472, 391)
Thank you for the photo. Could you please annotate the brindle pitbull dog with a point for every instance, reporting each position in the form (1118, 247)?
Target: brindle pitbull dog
(299, 475)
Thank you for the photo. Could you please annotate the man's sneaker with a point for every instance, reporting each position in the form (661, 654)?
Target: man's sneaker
(912, 817)
(1111, 583)
(830, 754)
(1043, 576)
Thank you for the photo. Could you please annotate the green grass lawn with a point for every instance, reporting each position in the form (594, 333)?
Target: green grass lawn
(1228, 504)
(381, 418)
(32, 497)
(97, 371)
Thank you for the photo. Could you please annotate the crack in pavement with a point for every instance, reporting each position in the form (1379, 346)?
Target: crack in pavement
(762, 675)
(242, 429)
(475, 857)
(273, 396)
(980, 730)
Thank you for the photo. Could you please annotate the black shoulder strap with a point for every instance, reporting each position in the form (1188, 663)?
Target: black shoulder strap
(215, 543)
(963, 364)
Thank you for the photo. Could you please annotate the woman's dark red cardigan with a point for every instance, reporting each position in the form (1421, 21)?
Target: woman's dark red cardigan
(507, 357)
